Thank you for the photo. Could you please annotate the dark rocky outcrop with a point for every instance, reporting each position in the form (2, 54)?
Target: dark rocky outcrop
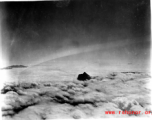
(84, 77)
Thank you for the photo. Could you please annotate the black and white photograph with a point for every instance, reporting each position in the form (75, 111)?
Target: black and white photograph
(75, 59)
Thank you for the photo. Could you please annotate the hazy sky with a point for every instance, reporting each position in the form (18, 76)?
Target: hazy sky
(34, 32)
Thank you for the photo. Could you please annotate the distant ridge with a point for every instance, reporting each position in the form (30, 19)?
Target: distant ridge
(14, 66)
